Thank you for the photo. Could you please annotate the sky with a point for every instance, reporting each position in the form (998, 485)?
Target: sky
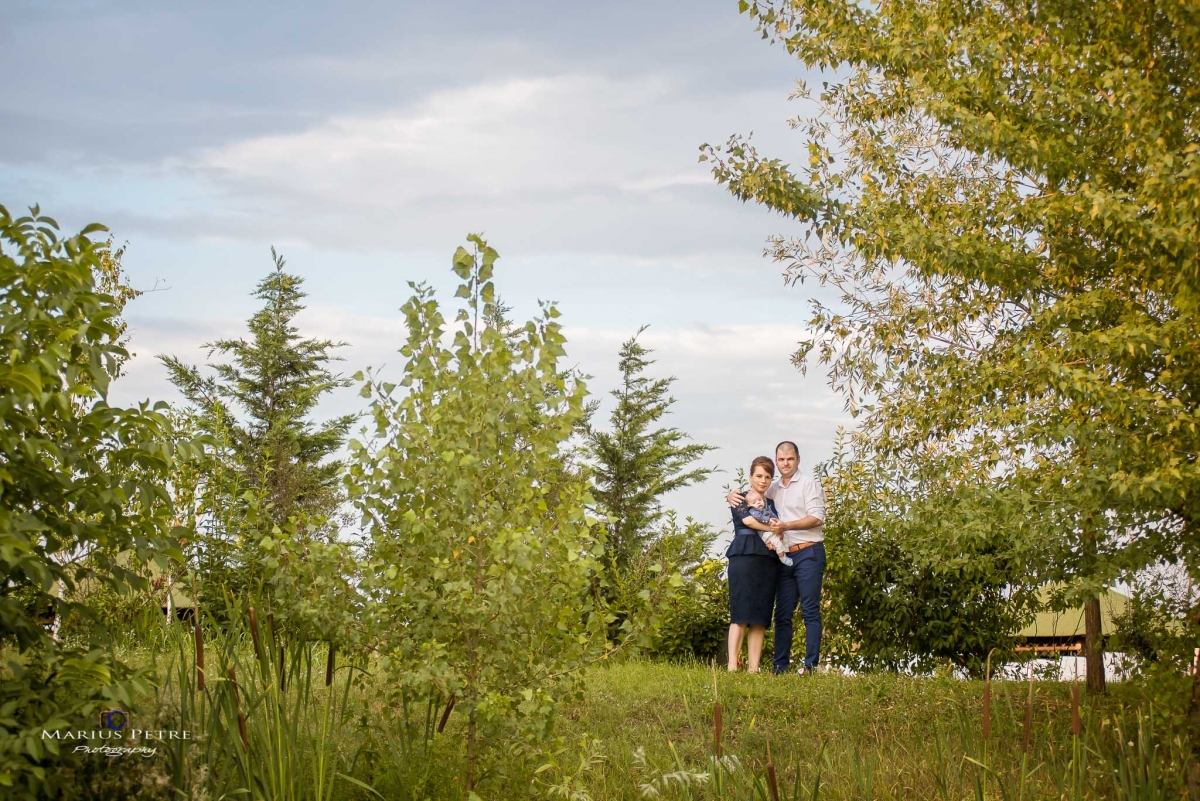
(365, 140)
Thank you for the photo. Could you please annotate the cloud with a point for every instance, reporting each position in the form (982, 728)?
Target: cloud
(576, 162)
(517, 135)
(366, 145)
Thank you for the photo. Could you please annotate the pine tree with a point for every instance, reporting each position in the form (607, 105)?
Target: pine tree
(259, 404)
(635, 463)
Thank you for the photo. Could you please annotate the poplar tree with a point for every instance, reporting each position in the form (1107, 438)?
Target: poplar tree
(1006, 198)
(481, 556)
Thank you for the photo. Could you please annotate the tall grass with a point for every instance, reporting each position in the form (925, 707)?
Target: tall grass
(881, 737)
(644, 730)
(269, 719)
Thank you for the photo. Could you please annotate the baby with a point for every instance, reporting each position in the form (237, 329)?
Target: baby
(758, 510)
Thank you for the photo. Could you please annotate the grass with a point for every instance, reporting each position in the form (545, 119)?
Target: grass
(639, 730)
(879, 736)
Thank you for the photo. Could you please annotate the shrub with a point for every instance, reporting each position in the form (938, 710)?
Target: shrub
(482, 562)
(82, 482)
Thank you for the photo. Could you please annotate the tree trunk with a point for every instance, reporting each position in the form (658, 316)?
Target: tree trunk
(471, 752)
(1093, 645)
(1193, 778)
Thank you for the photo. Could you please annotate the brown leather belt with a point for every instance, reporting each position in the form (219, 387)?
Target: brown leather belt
(800, 546)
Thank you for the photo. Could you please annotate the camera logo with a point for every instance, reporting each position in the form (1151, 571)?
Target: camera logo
(114, 719)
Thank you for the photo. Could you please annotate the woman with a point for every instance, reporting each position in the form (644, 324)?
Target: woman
(753, 573)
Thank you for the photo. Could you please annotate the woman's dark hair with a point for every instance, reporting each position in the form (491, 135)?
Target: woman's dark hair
(763, 461)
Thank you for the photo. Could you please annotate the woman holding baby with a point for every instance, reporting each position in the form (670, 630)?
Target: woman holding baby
(753, 568)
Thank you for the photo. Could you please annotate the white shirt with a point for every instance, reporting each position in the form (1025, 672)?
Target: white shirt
(799, 498)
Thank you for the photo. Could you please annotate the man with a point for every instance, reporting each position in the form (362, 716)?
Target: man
(800, 501)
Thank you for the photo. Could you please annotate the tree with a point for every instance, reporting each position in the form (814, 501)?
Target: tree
(256, 409)
(1006, 196)
(635, 463)
(900, 598)
(481, 557)
(80, 482)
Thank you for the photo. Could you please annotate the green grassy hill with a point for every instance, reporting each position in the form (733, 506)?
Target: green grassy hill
(647, 730)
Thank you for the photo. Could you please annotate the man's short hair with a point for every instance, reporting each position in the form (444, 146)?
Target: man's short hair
(788, 444)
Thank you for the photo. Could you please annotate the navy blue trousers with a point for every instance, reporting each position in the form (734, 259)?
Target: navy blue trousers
(800, 583)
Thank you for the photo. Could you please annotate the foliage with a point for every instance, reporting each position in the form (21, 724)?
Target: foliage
(81, 482)
(637, 723)
(271, 719)
(127, 613)
(482, 562)
(696, 622)
(310, 579)
(1153, 626)
(672, 591)
(1005, 199)
(266, 461)
(899, 597)
(636, 463)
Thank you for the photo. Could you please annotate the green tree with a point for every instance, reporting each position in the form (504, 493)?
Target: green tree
(268, 462)
(81, 481)
(637, 462)
(900, 595)
(1005, 197)
(481, 558)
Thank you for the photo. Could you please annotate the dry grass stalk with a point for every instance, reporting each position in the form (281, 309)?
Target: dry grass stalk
(329, 666)
(1028, 713)
(772, 782)
(987, 697)
(254, 633)
(446, 713)
(282, 673)
(237, 702)
(199, 655)
(716, 713)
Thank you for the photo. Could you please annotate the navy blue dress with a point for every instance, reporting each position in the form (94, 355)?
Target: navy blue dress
(753, 572)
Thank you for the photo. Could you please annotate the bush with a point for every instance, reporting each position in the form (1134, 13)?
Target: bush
(482, 561)
(83, 482)
(696, 620)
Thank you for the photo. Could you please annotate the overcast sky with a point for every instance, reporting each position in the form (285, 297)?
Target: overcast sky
(364, 140)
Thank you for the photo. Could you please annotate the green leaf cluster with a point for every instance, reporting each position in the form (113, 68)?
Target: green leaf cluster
(81, 481)
(482, 564)
(1005, 201)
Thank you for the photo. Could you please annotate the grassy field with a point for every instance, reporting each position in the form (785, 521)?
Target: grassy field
(880, 736)
(646, 730)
